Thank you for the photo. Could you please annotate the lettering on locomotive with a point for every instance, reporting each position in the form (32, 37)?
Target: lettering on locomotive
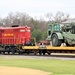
(8, 34)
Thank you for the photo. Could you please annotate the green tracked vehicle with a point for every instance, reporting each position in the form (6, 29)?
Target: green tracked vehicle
(58, 35)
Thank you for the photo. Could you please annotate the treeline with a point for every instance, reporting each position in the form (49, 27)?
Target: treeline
(38, 27)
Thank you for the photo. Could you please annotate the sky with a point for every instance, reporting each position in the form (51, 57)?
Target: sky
(36, 8)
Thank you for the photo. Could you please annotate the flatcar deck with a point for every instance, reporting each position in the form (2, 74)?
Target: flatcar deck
(30, 47)
(60, 48)
(48, 47)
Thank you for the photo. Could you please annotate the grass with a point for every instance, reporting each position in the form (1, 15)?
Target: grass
(57, 67)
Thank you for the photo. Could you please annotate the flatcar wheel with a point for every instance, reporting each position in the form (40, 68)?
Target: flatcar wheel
(35, 52)
(43, 52)
(28, 53)
(40, 52)
(49, 53)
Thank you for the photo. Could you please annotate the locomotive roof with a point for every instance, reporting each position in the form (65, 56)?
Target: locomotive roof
(14, 27)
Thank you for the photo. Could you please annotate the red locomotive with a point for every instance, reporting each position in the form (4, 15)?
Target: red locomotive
(11, 37)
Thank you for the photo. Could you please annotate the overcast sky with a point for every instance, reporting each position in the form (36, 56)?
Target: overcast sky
(37, 7)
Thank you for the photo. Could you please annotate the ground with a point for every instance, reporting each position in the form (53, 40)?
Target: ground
(4, 70)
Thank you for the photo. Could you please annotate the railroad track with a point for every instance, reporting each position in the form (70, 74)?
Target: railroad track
(31, 56)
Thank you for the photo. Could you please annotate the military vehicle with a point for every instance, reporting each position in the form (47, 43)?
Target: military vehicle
(58, 35)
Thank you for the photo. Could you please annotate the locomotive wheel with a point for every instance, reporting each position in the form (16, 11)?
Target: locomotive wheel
(3, 52)
(8, 52)
(13, 50)
(0, 52)
(7, 49)
(55, 40)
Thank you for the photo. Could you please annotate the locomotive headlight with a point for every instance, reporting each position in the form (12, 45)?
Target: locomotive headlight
(22, 30)
(28, 30)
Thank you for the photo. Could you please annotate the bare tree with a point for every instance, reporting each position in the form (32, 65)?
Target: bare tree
(1, 21)
(49, 16)
(58, 17)
(16, 18)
